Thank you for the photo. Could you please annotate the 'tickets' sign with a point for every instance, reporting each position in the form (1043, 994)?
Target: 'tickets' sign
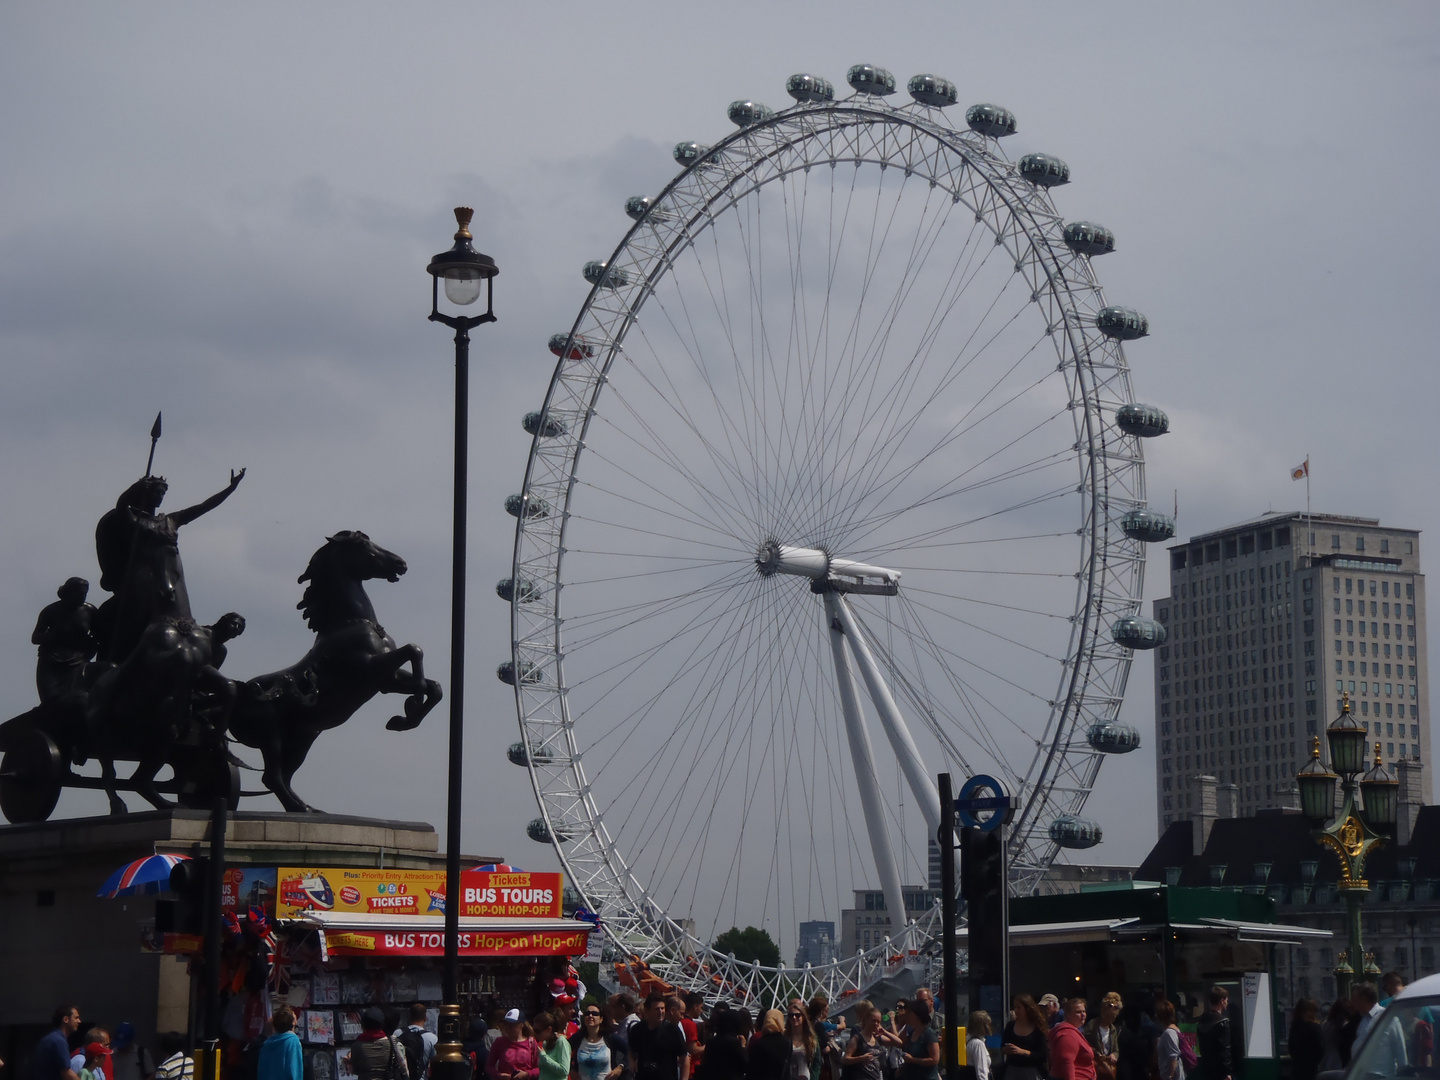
(484, 893)
(513, 894)
(371, 892)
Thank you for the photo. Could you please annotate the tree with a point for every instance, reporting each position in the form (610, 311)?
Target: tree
(750, 945)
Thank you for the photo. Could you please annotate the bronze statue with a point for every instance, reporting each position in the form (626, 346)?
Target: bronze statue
(353, 659)
(138, 549)
(66, 639)
(154, 694)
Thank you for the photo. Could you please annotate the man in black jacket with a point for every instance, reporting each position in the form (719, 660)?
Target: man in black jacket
(1213, 1036)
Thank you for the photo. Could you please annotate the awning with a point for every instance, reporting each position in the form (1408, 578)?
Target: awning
(1059, 933)
(362, 934)
(1270, 932)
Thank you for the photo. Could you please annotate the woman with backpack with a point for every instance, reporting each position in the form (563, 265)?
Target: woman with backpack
(1170, 1048)
(375, 1055)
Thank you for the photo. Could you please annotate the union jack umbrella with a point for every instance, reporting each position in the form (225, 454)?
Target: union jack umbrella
(500, 868)
(148, 875)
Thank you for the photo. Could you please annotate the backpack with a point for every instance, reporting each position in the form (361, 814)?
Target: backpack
(413, 1042)
(1187, 1054)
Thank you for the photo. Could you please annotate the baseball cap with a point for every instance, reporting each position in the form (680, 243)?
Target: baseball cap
(514, 1016)
(557, 987)
(1049, 999)
(97, 1048)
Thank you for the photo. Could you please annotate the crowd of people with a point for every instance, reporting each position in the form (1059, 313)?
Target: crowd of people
(672, 1037)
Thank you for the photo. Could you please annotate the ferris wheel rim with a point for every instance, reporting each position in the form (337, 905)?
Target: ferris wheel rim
(804, 117)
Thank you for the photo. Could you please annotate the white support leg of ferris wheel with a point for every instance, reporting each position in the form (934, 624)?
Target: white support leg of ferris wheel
(862, 756)
(901, 741)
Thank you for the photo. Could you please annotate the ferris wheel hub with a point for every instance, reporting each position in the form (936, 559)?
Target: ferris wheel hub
(827, 573)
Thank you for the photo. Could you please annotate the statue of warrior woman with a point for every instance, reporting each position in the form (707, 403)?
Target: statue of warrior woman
(138, 549)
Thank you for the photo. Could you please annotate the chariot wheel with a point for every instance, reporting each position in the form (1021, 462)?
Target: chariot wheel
(837, 485)
(31, 775)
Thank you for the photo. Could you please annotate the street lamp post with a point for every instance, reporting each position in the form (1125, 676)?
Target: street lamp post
(466, 274)
(1358, 829)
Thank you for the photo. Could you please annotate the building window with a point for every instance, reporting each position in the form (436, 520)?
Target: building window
(1359, 543)
(1335, 541)
(1384, 547)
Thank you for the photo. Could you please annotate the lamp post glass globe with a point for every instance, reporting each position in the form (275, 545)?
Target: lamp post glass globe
(462, 286)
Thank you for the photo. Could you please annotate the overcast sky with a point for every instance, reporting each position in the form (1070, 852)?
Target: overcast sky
(226, 214)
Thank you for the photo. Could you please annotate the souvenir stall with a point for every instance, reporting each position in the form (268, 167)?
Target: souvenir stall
(343, 940)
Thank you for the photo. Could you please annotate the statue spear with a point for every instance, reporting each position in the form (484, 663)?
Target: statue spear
(154, 438)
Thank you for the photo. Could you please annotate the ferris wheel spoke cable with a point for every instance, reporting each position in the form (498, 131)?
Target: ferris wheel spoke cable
(605, 623)
(961, 428)
(945, 492)
(957, 430)
(979, 728)
(640, 574)
(619, 671)
(729, 468)
(665, 455)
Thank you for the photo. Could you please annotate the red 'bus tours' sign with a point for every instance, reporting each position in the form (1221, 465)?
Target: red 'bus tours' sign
(472, 942)
(511, 894)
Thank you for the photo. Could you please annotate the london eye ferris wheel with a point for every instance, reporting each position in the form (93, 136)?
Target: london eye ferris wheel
(837, 485)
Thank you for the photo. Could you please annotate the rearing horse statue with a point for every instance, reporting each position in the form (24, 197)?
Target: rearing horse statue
(353, 659)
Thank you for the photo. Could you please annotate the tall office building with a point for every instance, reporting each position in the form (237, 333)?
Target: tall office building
(1270, 624)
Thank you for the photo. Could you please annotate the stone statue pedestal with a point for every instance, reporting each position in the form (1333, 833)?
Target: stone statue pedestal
(59, 942)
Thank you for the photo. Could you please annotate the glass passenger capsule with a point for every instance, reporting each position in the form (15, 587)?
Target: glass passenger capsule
(532, 506)
(1087, 238)
(529, 673)
(517, 755)
(1043, 170)
(1122, 324)
(579, 347)
(507, 589)
(744, 113)
(1150, 526)
(990, 120)
(597, 273)
(1113, 737)
(688, 153)
(538, 831)
(1138, 632)
(638, 206)
(932, 90)
(804, 87)
(545, 426)
(1074, 831)
(1146, 421)
(868, 79)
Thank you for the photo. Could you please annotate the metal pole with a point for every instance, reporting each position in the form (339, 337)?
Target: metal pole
(450, 1014)
(214, 925)
(945, 837)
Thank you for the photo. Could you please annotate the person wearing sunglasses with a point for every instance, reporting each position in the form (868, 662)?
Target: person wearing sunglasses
(804, 1044)
(595, 1051)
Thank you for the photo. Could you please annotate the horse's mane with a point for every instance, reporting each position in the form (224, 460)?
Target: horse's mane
(315, 594)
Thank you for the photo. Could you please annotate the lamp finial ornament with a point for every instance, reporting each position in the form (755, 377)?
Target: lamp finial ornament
(1344, 698)
(463, 214)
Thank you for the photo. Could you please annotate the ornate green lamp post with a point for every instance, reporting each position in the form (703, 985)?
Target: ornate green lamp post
(1366, 816)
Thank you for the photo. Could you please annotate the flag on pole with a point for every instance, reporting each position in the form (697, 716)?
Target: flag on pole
(1301, 471)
